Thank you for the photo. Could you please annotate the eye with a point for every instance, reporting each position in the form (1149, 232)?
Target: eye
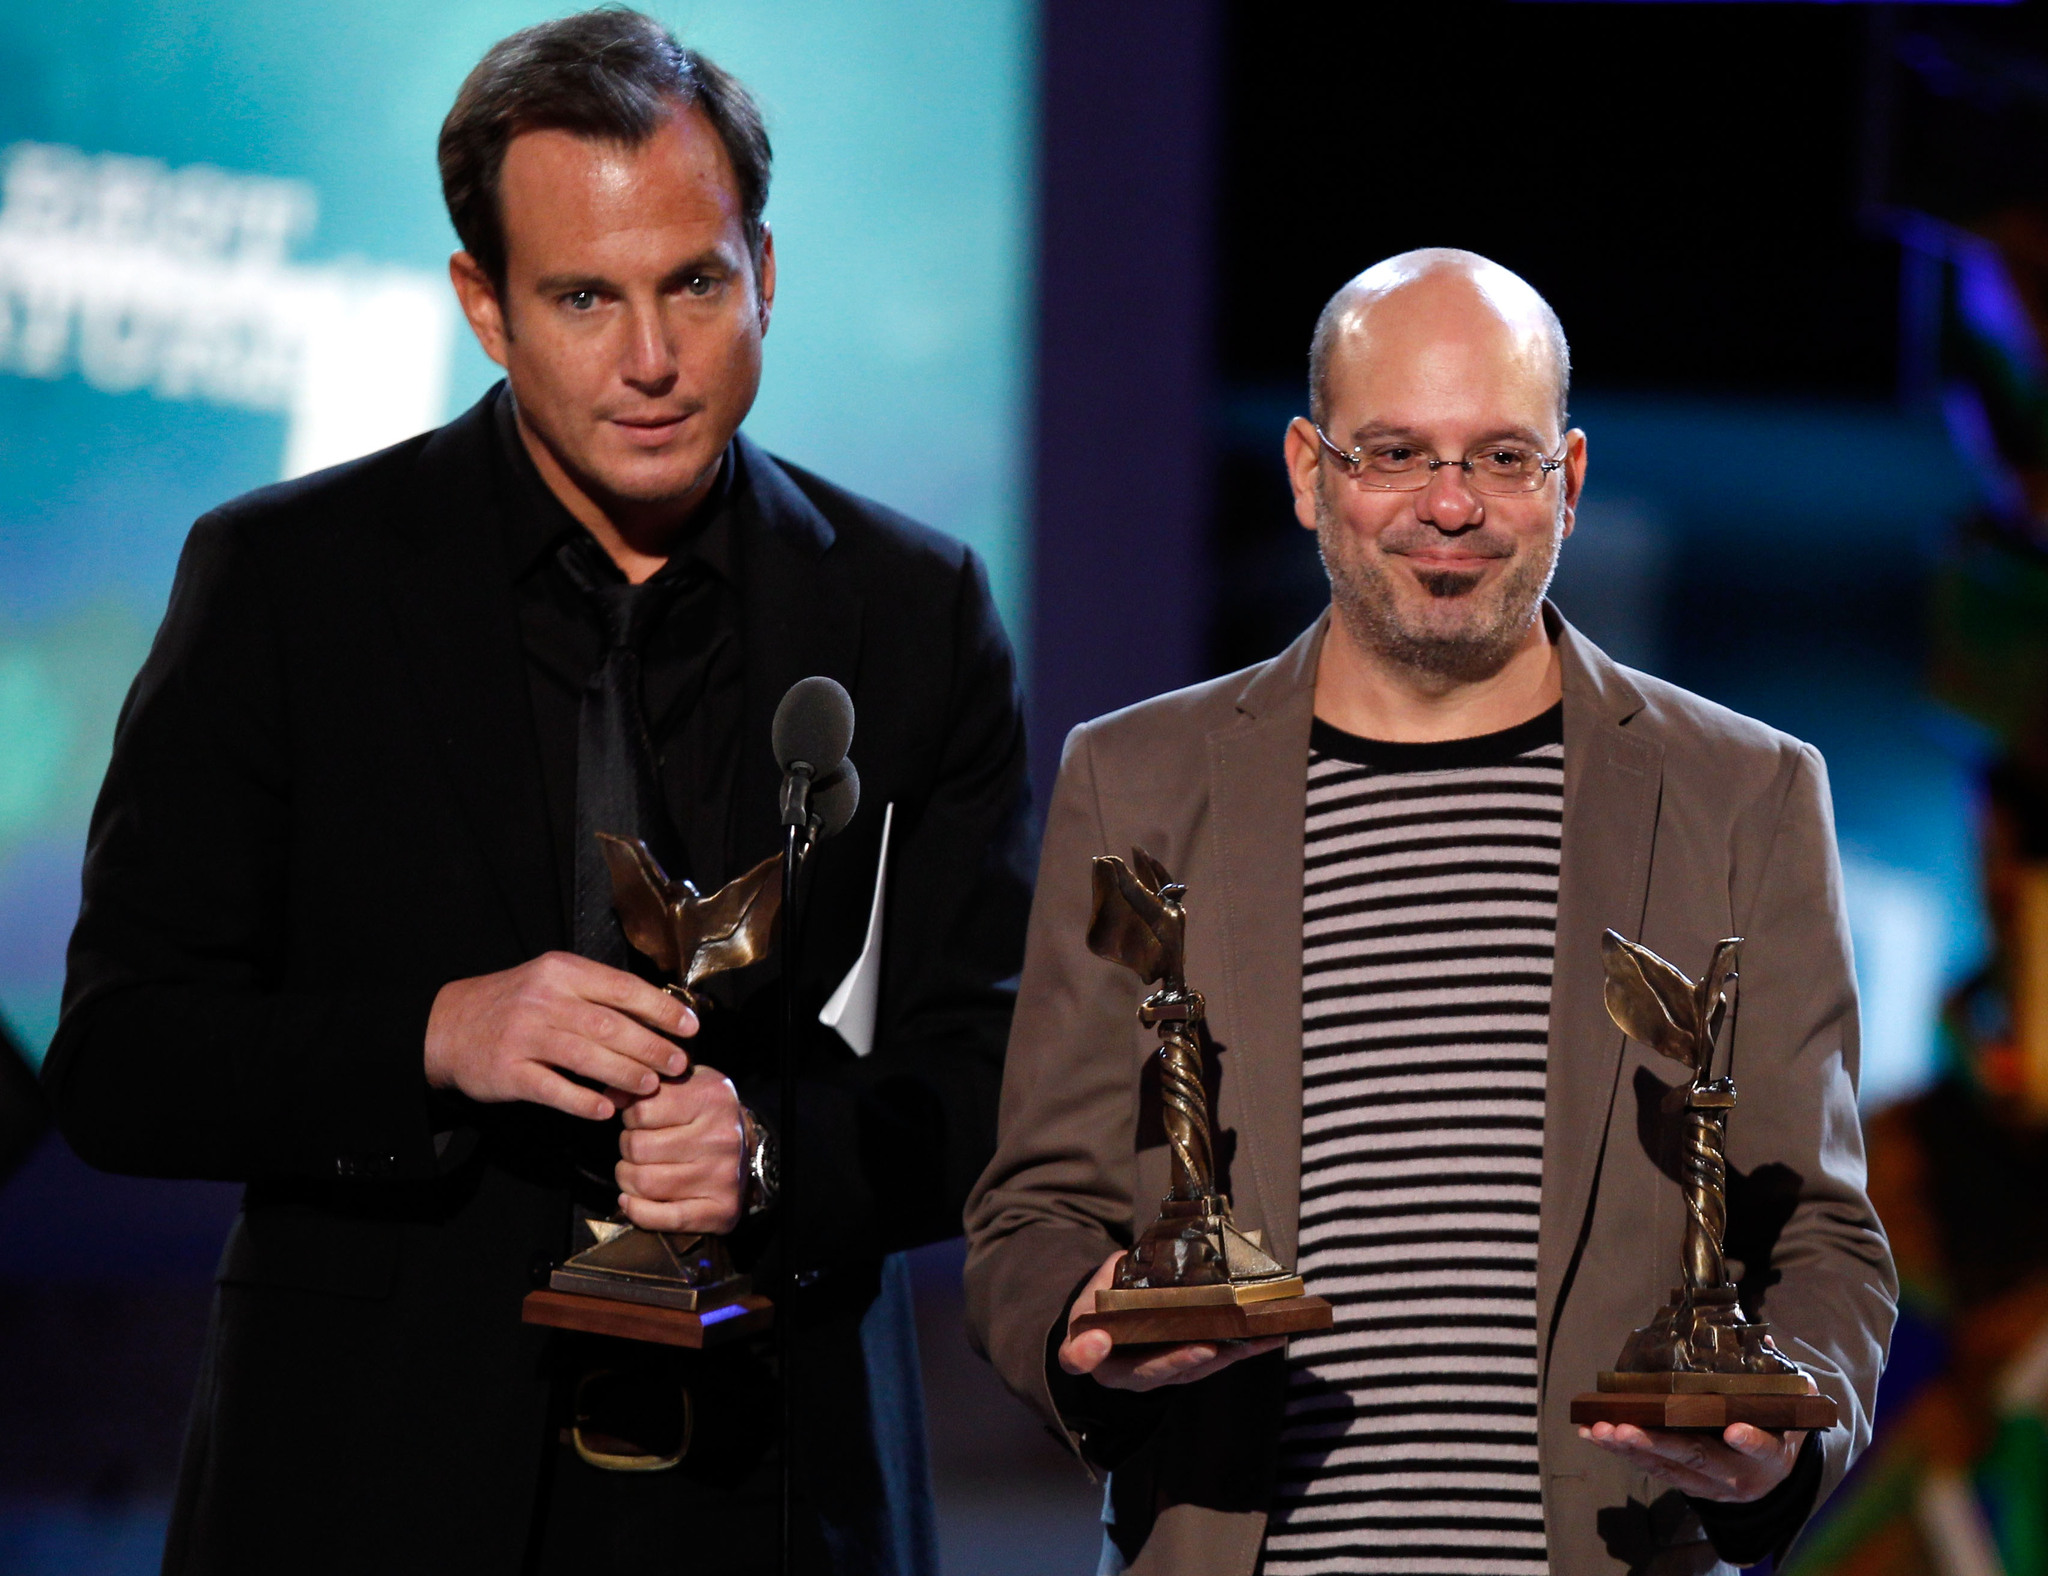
(699, 285)
(1505, 459)
(1393, 457)
(580, 300)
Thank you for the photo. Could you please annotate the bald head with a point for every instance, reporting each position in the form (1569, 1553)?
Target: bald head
(1418, 303)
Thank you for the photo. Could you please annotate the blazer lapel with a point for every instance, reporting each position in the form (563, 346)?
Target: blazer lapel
(1258, 786)
(799, 616)
(1613, 777)
(451, 603)
(1258, 783)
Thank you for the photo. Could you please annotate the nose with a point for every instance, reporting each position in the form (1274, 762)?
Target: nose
(649, 360)
(1448, 502)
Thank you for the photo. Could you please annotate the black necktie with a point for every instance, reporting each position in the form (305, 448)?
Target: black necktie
(616, 787)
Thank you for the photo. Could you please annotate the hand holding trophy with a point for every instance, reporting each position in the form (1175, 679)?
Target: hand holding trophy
(1699, 1364)
(675, 1288)
(679, 1287)
(1192, 1275)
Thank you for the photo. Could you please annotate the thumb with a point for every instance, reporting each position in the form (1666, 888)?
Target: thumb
(1749, 1440)
(1084, 1353)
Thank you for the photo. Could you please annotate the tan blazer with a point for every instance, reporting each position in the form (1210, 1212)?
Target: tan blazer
(1683, 823)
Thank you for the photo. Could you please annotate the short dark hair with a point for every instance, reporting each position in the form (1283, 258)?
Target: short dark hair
(610, 74)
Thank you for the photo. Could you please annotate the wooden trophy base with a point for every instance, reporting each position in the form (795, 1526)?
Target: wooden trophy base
(672, 1288)
(639, 1321)
(1708, 1402)
(1179, 1315)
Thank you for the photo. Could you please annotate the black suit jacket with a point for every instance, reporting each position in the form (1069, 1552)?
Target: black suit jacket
(324, 802)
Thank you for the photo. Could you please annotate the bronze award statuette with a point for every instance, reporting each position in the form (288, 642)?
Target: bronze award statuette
(1192, 1275)
(1699, 1363)
(673, 1287)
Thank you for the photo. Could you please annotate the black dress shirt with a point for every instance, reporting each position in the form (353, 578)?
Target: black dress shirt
(692, 692)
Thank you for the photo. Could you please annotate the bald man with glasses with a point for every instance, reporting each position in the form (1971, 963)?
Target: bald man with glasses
(1402, 839)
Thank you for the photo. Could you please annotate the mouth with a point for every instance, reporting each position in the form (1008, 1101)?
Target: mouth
(1447, 571)
(1442, 561)
(651, 431)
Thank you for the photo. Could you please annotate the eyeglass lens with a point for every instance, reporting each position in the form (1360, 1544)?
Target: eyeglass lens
(1499, 470)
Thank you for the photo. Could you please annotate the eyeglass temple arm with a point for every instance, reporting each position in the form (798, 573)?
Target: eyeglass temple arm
(1322, 437)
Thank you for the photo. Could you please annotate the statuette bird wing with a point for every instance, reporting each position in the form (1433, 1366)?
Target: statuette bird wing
(734, 926)
(1650, 1001)
(1713, 997)
(1150, 872)
(1133, 924)
(641, 892)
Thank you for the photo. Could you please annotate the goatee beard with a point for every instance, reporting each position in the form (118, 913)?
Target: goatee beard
(1363, 597)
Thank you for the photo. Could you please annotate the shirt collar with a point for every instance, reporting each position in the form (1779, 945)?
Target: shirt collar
(535, 520)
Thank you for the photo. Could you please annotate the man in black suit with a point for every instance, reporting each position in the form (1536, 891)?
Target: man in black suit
(342, 937)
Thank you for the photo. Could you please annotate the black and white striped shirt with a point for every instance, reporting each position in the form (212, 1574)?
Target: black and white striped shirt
(1429, 924)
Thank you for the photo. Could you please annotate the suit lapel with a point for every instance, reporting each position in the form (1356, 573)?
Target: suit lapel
(451, 604)
(1258, 783)
(1613, 780)
(800, 614)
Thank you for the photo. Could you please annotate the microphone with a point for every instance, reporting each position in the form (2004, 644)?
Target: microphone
(812, 730)
(833, 801)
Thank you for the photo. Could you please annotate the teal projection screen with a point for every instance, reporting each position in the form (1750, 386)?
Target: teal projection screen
(222, 262)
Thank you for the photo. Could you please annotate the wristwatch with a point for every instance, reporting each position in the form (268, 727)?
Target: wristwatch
(760, 1173)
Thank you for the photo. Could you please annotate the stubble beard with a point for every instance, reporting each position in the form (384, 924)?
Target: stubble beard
(1443, 650)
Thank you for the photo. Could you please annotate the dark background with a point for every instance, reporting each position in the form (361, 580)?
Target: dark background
(1680, 181)
(1690, 185)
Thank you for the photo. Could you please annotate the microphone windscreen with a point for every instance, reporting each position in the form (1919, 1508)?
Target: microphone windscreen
(834, 800)
(814, 724)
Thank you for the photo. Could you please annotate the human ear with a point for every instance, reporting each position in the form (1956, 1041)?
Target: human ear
(764, 286)
(1304, 463)
(480, 304)
(1574, 477)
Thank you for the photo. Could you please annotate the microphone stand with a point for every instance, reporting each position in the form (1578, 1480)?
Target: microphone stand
(814, 722)
(796, 846)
